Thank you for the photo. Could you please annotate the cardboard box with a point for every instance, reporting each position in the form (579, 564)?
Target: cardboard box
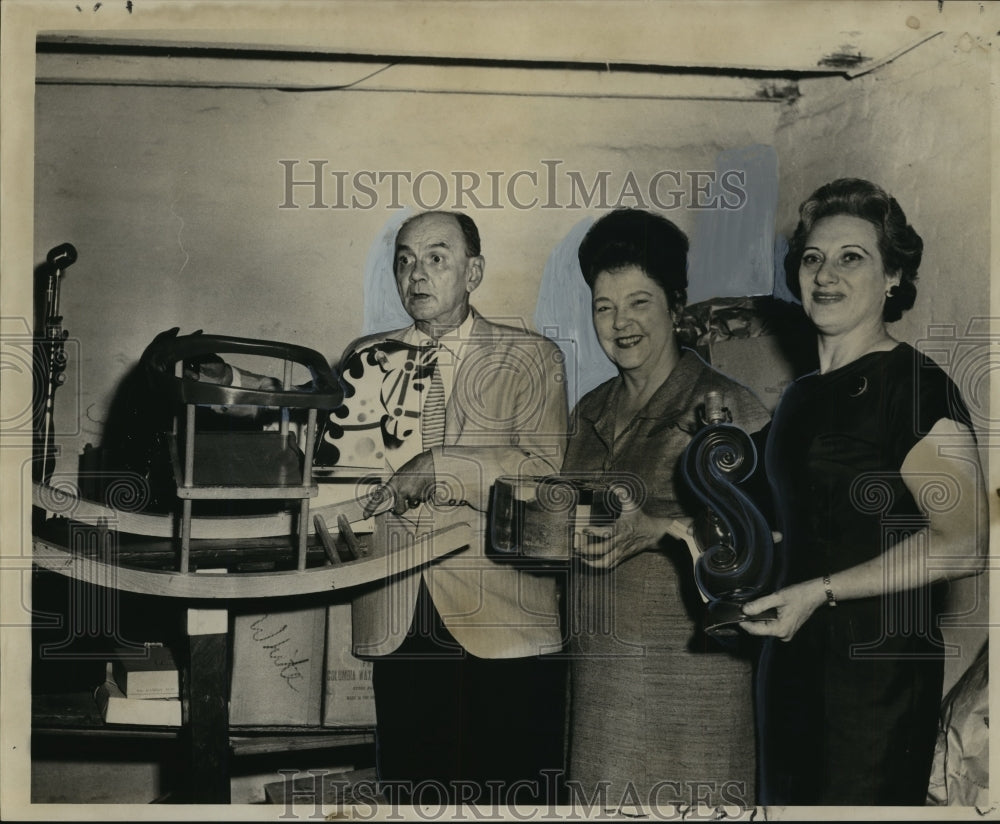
(349, 699)
(278, 668)
(148, 673)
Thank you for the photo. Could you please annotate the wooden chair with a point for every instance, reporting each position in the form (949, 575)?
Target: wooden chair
(242, 465)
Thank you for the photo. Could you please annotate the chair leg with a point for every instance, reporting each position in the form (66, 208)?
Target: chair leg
(303, 532)
(186, 535)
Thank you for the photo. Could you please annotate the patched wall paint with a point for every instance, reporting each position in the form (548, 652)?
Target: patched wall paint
(732, 248)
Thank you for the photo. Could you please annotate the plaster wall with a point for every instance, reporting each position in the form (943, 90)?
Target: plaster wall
(181, 213)
(920, 128)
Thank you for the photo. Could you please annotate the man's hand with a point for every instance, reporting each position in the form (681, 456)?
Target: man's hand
(411, 486)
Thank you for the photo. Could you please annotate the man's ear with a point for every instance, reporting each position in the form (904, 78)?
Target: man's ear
(476, 266)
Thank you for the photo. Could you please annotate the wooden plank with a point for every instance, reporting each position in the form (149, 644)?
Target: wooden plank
(354, 546)
(245, 555)
(278, 742)
(123, 731)
(208, 718)
(64, 503)
(415, 553)
(737, 37)
(245, 493)
(327, 539)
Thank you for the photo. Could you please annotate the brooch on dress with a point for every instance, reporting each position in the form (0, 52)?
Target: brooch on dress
(861, 389)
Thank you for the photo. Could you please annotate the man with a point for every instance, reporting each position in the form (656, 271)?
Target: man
(466, 698)
(469, 696)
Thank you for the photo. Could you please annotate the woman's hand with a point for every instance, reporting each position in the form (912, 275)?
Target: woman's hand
(606, 547)
(632, 532)
(794, 605)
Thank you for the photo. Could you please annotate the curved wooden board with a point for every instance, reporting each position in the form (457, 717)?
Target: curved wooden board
(192, 585)
(65, 504)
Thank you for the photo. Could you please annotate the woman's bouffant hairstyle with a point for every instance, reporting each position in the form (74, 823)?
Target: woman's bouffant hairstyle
(634, 237)
(899, 245)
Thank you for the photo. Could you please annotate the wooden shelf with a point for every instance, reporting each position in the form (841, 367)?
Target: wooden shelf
(258, 740)
(77, 714)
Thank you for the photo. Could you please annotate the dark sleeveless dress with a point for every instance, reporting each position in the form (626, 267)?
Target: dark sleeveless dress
(847, 710)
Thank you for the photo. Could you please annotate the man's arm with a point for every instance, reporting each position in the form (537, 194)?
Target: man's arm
(514, 396)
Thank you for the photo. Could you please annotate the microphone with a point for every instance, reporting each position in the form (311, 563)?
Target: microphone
(62, 256)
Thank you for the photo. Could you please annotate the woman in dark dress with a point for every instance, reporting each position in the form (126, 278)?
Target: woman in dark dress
(661, 714)
(874, 469)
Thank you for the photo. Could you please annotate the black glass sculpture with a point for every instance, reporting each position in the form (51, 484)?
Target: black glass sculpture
(737, 556)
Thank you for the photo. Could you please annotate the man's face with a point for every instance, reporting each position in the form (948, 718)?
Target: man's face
(434, 275)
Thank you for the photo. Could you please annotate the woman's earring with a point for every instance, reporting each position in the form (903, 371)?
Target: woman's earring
(891, 291)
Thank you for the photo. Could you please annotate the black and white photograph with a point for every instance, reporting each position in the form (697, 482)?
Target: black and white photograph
(497, 409)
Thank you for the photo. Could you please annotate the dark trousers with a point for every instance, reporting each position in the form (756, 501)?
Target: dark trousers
(453, 728)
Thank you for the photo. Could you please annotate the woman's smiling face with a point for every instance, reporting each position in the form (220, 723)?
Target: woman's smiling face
(632, 318)
(842, 277)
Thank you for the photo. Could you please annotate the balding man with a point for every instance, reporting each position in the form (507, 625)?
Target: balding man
(468, 695)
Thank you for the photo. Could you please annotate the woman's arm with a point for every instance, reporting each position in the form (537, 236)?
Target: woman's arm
(953, 545)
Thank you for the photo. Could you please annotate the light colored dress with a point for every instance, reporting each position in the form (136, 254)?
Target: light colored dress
(659, 709)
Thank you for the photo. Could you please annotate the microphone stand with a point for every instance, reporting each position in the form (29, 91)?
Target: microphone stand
(58, 259)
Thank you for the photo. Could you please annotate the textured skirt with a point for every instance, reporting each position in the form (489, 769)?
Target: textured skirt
(661, 714)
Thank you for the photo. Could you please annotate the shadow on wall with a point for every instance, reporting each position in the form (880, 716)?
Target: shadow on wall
(563, 314)
(133, 457)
